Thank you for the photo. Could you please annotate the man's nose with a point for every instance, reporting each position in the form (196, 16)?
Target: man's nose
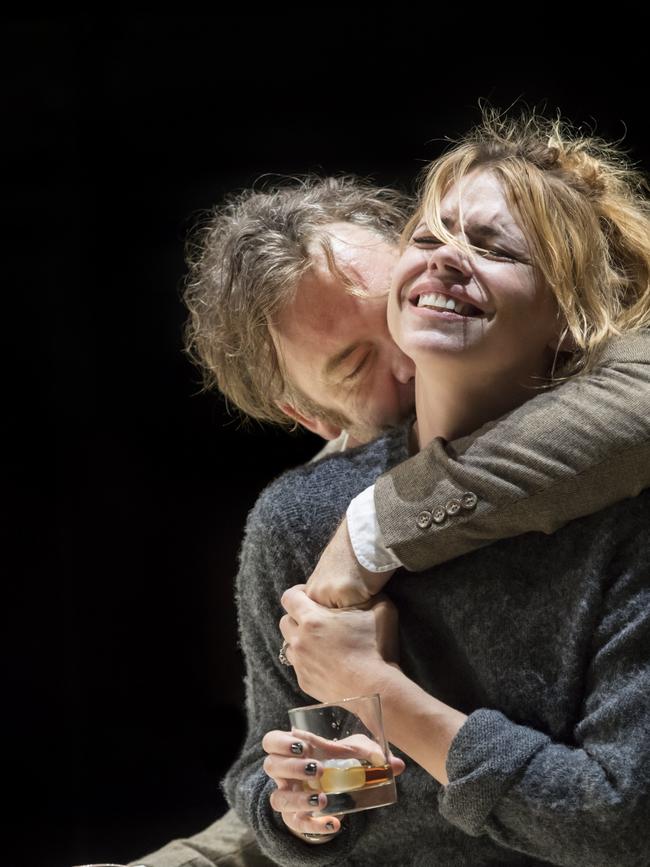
(403, 366)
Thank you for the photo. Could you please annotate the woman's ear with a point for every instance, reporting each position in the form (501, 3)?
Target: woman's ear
(563, 341)
(319, 426)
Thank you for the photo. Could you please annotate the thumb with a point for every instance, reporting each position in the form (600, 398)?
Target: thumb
(398, 765)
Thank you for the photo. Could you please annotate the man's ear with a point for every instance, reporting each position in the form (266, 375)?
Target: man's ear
(322, 428)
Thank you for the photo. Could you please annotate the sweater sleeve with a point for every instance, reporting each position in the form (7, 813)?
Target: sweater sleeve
(584, 803)
(267, 567)
(564, 454)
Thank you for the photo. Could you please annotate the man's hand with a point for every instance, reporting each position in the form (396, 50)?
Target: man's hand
(339, 580)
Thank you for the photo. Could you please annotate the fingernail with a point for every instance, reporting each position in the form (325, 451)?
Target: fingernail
(311, 768)
(330, 826)
(313, 800)
(296, 748)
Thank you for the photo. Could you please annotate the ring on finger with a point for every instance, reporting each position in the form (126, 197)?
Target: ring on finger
(282, 655)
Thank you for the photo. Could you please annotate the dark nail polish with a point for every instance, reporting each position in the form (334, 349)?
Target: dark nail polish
(313, 800)
(330, 826)
(296, 748)
(311, 768)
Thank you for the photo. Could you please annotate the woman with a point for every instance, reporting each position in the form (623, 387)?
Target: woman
(522, 698)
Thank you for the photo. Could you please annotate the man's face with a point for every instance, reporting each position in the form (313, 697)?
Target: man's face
(335, 346)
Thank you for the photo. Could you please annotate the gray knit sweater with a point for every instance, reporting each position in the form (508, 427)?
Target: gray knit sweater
(544, 641)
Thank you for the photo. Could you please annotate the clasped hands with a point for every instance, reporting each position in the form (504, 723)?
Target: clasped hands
(339, 633)
(337, 651)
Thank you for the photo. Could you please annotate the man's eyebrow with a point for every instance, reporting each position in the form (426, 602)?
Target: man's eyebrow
(337, 360)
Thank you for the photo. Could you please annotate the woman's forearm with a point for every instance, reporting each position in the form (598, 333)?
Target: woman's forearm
(414, 721)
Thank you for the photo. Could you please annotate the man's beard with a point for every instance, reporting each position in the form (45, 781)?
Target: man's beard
(361, 430)
(365, 433)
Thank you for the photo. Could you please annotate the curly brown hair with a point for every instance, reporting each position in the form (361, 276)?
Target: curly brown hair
(245, 261)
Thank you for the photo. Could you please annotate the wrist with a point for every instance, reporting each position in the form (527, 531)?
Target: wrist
(374, 676)
(419, 724)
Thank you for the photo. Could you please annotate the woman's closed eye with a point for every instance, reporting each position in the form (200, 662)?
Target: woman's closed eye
(495, 253)
(492, 252)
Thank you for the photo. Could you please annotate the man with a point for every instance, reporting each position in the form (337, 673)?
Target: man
(287, 295)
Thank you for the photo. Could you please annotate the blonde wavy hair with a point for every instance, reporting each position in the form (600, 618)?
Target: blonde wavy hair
(585, 212)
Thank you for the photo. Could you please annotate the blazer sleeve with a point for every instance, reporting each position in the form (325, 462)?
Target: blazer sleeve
(564, 454)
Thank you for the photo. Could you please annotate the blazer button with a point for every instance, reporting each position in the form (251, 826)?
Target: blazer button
(439, 515)
(468, 500)
(452, 507)
(424, 520)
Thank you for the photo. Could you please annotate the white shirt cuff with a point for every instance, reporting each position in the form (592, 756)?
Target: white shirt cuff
(365, 534)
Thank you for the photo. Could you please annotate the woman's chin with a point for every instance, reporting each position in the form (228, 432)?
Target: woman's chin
(421, 344)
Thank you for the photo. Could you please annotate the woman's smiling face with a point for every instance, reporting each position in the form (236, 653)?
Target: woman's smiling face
(487, 305)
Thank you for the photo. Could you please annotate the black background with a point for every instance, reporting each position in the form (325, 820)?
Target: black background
(127, 488)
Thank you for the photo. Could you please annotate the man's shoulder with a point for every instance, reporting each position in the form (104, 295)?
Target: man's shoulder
(323, 488)
(296, 514)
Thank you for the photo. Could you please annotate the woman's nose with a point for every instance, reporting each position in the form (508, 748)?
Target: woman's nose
(448, 259)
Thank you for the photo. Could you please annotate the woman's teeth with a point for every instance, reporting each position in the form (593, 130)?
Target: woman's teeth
(444, 302)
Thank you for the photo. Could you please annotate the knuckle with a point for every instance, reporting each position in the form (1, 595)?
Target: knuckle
(284, 621)
(286, 596)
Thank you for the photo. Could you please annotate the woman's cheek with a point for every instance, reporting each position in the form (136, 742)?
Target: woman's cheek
(393, 315)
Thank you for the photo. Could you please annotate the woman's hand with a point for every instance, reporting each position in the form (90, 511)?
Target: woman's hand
(293, 765)
(338, 653)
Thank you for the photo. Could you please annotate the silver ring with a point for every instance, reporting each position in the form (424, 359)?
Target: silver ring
(312, 835)
(282, 655)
